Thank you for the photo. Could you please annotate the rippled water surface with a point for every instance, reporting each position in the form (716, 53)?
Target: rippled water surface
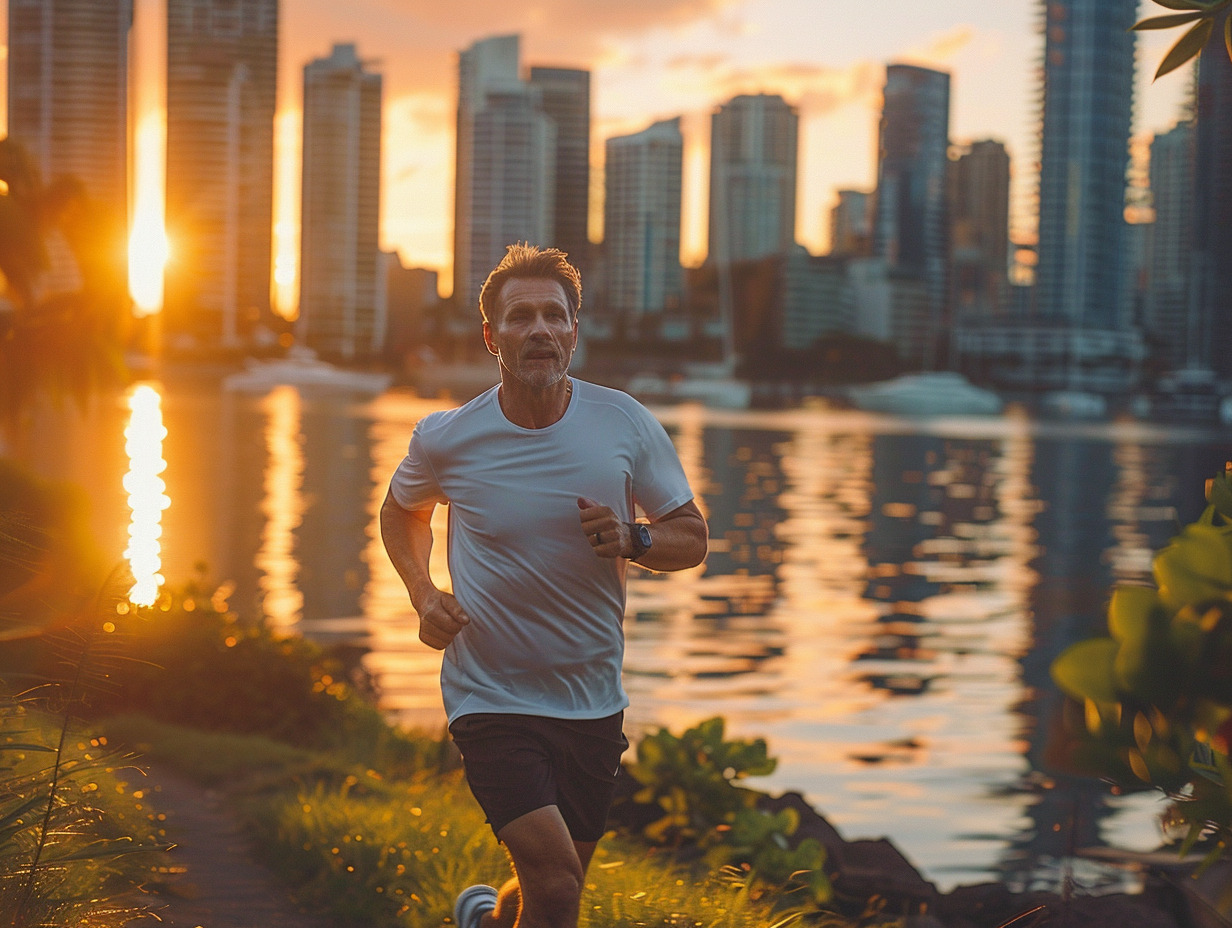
(881, 601)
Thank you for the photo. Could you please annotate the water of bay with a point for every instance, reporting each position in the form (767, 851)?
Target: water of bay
(881, 602)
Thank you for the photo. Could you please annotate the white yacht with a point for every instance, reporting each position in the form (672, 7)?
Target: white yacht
(302, 368)
(710, 385)
(933, 393)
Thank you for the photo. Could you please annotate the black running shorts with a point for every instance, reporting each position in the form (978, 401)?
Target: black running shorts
(519, 763)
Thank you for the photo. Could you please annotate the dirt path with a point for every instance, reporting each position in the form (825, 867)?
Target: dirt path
(215, 880)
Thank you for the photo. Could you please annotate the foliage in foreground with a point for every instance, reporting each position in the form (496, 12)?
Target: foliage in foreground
(692, 780)
(1202, 17)
(75, 842)
(1156, 693)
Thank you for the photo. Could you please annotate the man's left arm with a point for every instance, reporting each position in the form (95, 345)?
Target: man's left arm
(679, 538)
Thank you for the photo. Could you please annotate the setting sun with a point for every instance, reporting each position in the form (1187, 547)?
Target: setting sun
(147, 244)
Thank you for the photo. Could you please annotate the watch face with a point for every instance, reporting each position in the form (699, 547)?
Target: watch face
(643, 536)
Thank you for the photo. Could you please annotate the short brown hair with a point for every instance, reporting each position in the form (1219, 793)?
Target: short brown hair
(524, 260)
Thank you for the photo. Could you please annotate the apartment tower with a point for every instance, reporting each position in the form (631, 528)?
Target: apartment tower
(342, 290)
(1213, 208)
(68, 95)
(979, 223)
(753, 154)
(506, 165)
(641, 221)
(222, 58)
(1088, 89)
(564, 95)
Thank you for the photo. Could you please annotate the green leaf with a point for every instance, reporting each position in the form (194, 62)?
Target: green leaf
(1189, 45)
(1195, 567)
(1086, 670)
(1182, 4)
(1167, 22)
(22, 746)
(1131, 610)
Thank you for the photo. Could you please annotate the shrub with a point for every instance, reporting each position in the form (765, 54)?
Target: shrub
(1155, 695)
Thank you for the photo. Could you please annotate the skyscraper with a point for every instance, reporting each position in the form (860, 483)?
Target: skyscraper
(565, 98)
(910, 224)
(506, 156)
(753, 153)
(68, 94)
(1088, 85)
(1168, 291)
(641, 220)
(851, 225)
(341, 297)
(221, 85)
(979, 219)
(1213, 207)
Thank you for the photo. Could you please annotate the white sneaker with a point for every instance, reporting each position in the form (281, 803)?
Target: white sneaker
(473, 903)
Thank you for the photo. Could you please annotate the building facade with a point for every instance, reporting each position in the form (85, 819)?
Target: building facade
(564, 95)
(341, 298)
(910, 228)
(979, 218)
(1168, 305)
(753, 167)
(506, 180)
(1088, 85)
(1212, 269)
(641, 221)
(68, 95)
(851, 225)
(222, 63)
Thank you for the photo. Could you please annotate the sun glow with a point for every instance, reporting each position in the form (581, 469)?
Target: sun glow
(146, 497)
(148, 248)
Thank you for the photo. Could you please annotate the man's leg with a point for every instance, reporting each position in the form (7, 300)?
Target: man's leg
(550, 869)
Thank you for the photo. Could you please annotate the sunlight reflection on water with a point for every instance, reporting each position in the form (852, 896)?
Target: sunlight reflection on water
(147, 500)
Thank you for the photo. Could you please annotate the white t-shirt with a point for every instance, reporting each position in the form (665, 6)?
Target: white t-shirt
(546, 635)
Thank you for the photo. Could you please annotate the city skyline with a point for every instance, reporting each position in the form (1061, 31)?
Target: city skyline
(653, 61)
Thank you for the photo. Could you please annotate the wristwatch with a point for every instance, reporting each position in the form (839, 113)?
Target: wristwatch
(639, 534)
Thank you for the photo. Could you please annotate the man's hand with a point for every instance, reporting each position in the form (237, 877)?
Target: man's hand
(440, 619)
(608, 535)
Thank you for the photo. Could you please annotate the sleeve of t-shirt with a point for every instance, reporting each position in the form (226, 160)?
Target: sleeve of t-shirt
(414, 484)
(659, 483)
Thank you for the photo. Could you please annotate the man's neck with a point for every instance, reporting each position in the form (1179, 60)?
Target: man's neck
(534, 407)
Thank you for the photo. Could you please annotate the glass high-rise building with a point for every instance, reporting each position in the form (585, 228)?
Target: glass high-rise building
(979, 223)
(641, 220)
(505, 180)
(1088, 87)
(1212, 255)
(222, 63)
(68, 94)
(753, 154)
(565, 98)
(1168, 310)
(910, 221)
(342, 301)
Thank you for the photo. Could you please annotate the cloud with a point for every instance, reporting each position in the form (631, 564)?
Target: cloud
(815, 88)
(941, 48)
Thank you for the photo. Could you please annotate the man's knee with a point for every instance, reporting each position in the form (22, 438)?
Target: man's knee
(553, 898)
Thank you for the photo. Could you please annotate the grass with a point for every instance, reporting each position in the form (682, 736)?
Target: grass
(392, 851)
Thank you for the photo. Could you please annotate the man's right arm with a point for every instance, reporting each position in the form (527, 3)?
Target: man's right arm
(407, 534)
